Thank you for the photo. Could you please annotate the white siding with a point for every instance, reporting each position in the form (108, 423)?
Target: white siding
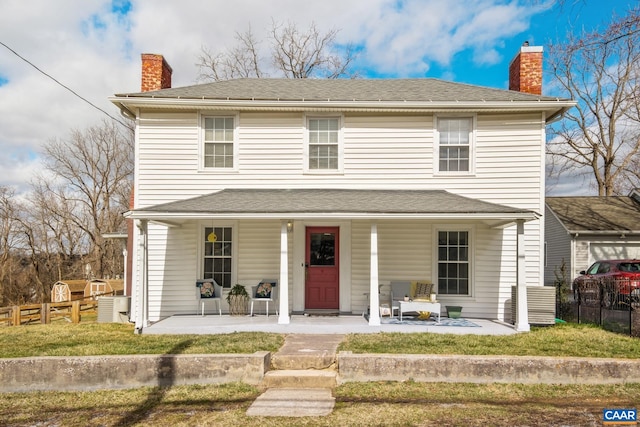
(379, 152)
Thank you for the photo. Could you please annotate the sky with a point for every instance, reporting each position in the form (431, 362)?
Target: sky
(93, 48)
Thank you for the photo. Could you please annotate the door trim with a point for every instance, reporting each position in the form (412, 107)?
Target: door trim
(297, 266)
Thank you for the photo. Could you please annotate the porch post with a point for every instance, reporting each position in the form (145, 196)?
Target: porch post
(522, 316)
(283, 317)
(374, 297)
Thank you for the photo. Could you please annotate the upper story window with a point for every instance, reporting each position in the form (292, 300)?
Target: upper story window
(455, 142)
(219, 139)
(324, 143)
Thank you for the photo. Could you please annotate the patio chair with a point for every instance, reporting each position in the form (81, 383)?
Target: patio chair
(399, 289)
(266, 291)
(208, 290)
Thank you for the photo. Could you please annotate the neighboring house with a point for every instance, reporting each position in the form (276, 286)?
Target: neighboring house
(582, 230)
(335, 187)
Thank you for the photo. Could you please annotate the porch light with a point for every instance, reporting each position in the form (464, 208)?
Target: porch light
(289, 226)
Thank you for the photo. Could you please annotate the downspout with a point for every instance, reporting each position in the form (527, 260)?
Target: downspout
(142, 317)
(522, 309)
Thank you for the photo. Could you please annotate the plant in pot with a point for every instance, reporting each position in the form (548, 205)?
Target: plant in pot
(238, 297)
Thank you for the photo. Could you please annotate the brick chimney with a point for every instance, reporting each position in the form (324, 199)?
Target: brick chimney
(156, 73)
(525, 70)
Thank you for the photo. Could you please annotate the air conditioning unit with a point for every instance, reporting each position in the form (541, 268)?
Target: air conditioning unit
(541, 304)
(113, 309)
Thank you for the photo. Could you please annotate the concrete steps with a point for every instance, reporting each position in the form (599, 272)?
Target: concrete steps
(301, 380)
(308, 378)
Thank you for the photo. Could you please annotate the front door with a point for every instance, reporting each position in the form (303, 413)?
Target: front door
(322, 266)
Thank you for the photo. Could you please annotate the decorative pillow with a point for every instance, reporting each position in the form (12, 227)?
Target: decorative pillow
(207, 290)
(263, 290)
(423, 290)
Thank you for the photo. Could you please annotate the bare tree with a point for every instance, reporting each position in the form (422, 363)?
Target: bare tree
(10, 245)
(293, 53)
(86, 192)
(241, 61)
(601, 136)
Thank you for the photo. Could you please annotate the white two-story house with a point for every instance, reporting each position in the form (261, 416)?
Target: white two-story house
(336, 187)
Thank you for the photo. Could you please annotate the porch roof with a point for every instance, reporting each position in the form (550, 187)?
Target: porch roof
(333, 203)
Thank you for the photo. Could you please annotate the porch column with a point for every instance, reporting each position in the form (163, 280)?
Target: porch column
(283, 283)
(522, 316)
(142, 282)
(374, 297)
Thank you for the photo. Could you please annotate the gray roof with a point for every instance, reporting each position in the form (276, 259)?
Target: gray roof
(350, 90)
(323, 201)
(596, 214)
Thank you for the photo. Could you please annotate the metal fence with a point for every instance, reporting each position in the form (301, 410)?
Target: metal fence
(611, 303)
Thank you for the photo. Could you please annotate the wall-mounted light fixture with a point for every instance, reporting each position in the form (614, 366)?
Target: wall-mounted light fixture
(289, 226)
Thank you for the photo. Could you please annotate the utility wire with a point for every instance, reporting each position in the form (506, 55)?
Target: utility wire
(64, 86)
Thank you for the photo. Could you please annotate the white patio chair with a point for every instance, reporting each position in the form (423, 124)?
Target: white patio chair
(208, 290)
(266, 291)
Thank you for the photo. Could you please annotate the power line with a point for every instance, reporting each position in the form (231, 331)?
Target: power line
(64, 86)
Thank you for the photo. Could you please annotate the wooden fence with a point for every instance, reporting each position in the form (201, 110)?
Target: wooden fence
(44, 313)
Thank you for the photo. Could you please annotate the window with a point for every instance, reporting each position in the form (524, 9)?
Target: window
(454, 143)
(218, 142)
(218, 250)
(453, 262)
(324, 137)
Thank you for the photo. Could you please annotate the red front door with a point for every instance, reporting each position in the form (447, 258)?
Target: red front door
(322, 262)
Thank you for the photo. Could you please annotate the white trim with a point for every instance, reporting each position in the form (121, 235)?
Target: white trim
(471, 229)
(298, 269)
(355, 106)
(512, 217)
(472, 145)
(236, 143)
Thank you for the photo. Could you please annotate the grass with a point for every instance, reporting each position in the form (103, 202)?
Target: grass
(357, 404)
(92, 339)
(85, 339)
(569, 340)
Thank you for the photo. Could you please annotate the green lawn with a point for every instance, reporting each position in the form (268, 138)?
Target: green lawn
(84, 339)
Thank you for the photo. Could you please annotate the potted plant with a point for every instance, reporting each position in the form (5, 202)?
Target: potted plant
(454, 311)
(238, 297)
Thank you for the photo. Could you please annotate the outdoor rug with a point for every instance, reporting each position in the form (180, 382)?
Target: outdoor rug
(444, 321)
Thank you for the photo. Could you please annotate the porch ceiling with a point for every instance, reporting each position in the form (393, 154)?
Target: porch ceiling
(335, 204)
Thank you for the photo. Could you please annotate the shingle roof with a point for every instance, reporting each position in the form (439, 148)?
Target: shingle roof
(426, 89)
(596, 213)
(321, 201)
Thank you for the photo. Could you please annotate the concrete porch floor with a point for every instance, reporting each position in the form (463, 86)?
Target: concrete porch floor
(300, 324)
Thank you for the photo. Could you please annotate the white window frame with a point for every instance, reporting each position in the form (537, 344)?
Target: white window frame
(234, 249)
(472, 144)
(471, 262)
(202, 142)
(306, 151)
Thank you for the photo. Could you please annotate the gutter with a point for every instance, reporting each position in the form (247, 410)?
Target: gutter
(126, 102)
